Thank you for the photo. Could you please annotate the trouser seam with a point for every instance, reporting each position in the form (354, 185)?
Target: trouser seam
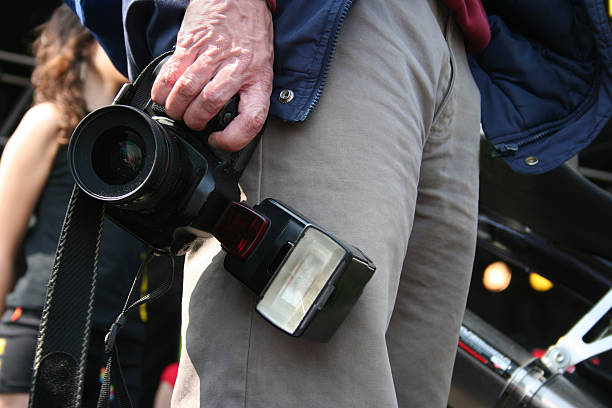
(448, 37)
(248, 354)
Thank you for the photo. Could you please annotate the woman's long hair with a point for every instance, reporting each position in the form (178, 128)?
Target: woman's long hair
(60, 64)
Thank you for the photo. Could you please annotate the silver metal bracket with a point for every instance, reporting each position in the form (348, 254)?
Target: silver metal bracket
(571, 349)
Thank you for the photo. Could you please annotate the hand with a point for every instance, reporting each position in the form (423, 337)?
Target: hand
(223, 47)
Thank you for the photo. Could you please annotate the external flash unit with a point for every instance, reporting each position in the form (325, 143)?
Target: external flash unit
(306, 280)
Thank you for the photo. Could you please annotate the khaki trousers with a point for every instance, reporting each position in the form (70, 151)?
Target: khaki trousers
(387, 162)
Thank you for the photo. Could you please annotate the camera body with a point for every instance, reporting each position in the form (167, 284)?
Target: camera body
(159, 179)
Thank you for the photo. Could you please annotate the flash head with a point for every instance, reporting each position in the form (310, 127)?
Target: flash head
(307, 280)
(302, 281)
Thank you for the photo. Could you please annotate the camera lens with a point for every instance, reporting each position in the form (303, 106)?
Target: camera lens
(118, 155)
(121, 155)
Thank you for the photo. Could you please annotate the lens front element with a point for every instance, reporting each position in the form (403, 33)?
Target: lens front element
(118, 155)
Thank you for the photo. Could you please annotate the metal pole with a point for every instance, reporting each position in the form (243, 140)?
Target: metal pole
(20, 59)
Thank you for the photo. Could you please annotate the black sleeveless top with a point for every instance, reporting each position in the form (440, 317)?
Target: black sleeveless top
(118, 262)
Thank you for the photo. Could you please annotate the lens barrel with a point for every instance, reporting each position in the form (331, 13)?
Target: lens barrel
(122, 156)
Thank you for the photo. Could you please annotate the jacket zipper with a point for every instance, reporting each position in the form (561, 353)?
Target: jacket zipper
(510, 149)
(330, 53)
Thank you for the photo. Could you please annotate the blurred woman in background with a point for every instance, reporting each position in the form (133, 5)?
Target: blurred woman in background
(73, 76)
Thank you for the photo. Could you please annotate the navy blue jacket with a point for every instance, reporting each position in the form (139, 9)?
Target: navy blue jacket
(545, 79)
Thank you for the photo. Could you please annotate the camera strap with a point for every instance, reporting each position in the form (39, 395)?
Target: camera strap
(61, 352)
(60, 360)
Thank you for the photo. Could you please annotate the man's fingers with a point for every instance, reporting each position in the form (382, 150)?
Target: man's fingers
(253, 111)
(211, 99)
(190, 84)
(234, 138)
(169, 75)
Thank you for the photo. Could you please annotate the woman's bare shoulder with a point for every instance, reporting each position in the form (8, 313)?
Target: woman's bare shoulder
(45, 113)
(42, 121)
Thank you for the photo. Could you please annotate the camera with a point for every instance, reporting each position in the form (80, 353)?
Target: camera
(161, 182)
(159, 179)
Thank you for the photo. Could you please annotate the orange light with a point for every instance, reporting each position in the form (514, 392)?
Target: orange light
(539, 283)
(496, 277)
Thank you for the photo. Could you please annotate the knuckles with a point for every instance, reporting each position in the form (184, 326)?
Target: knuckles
(188, 85)
(213, 99)
(255, 120)
(161, 88)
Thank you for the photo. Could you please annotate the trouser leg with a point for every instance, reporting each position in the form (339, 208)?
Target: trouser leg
(423, 333)
(353, 167)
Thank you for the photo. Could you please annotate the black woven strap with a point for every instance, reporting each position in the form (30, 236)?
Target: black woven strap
(60, 361)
